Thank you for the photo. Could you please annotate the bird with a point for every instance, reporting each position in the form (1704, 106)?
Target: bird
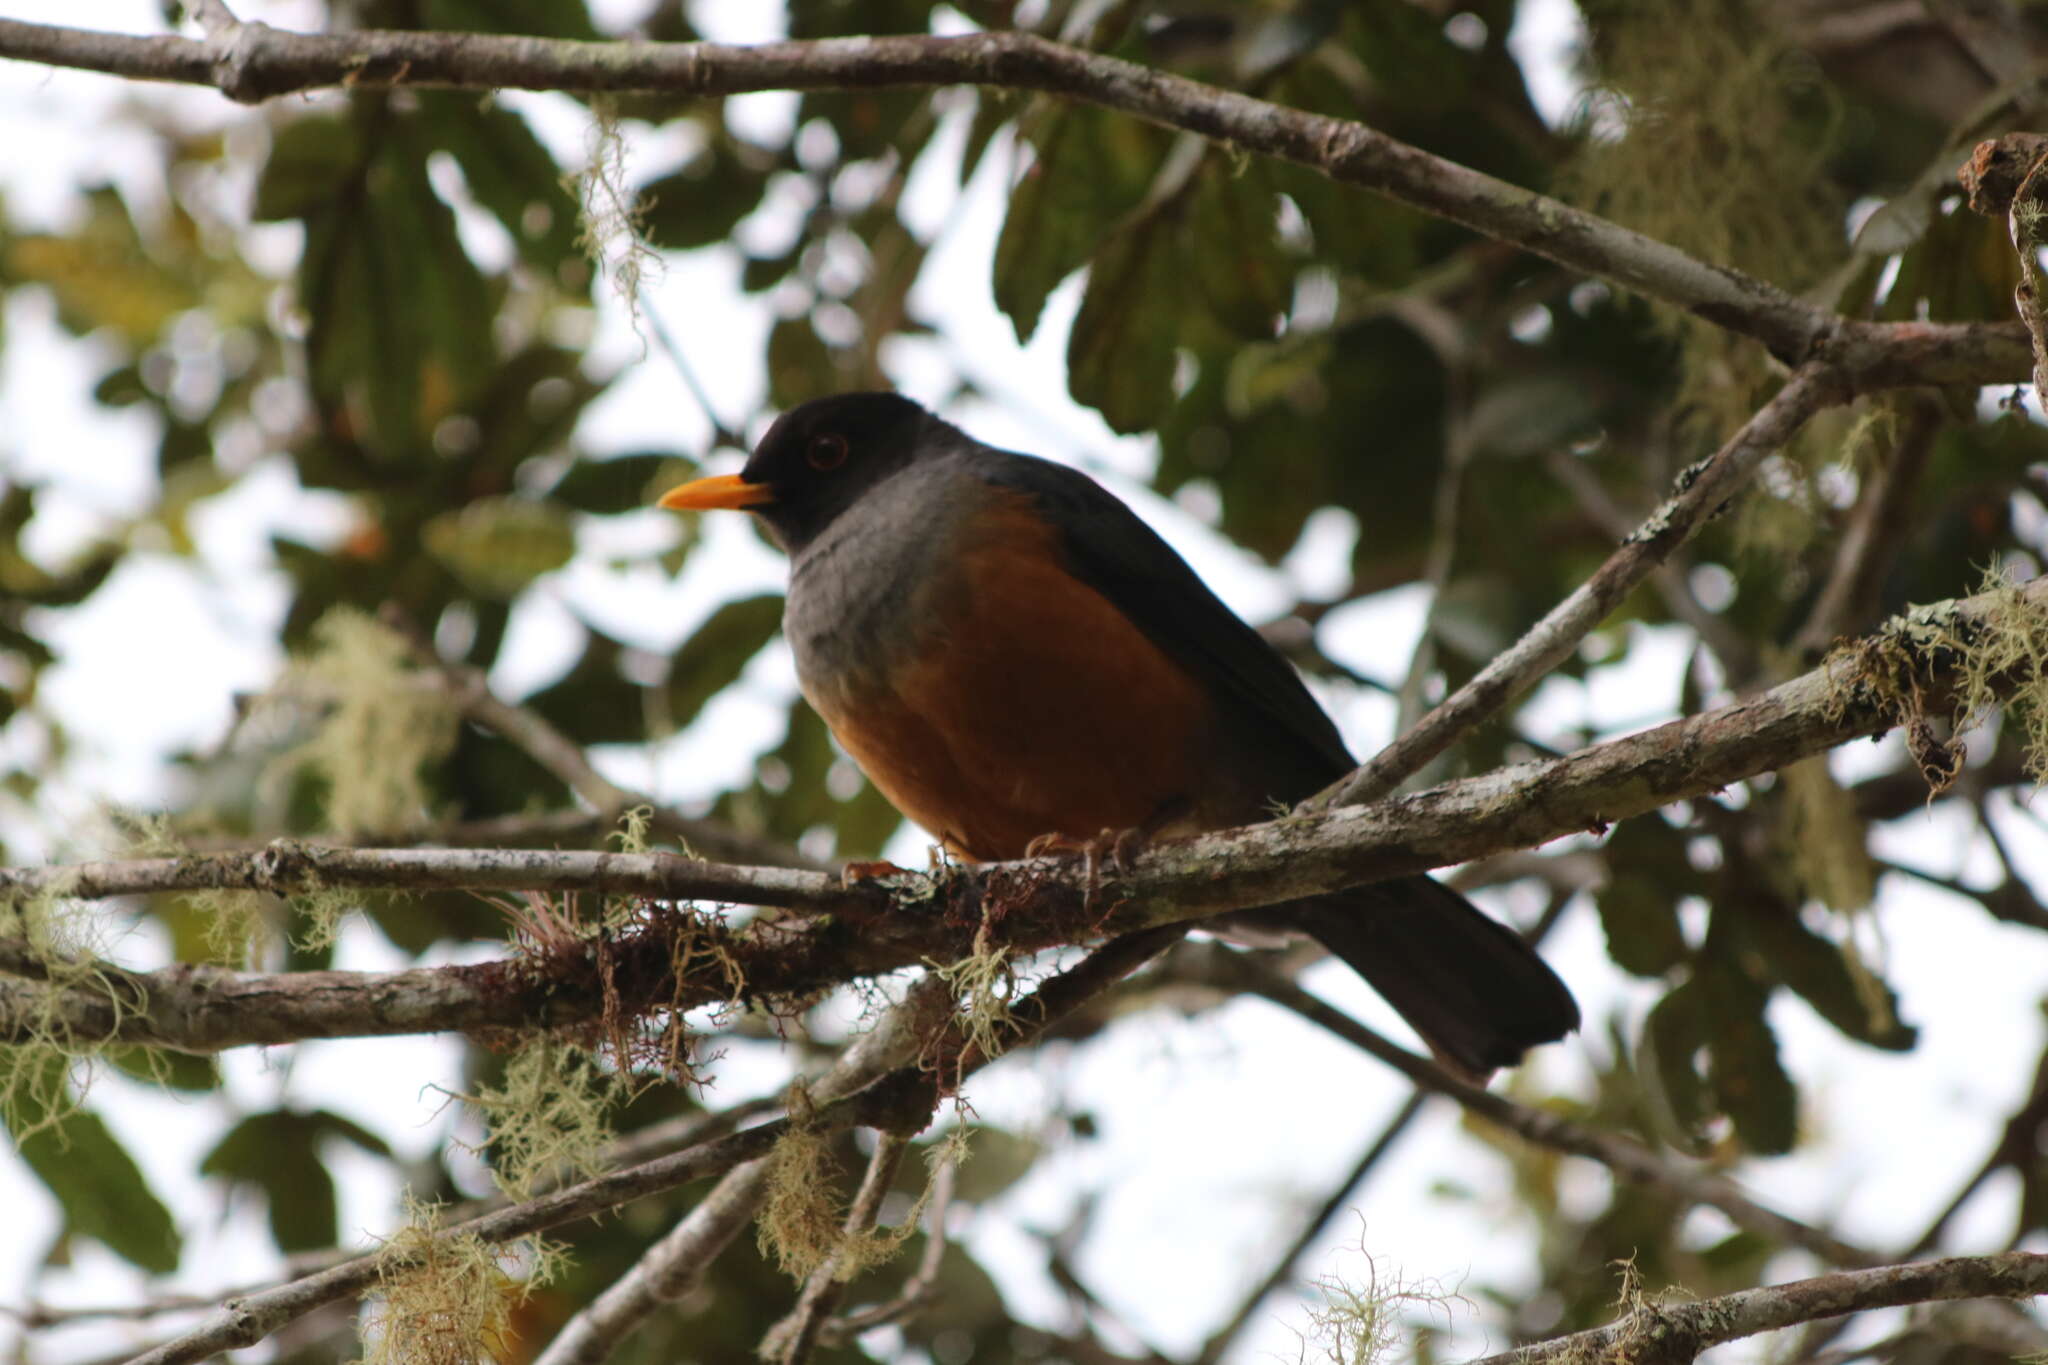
(1019, 662)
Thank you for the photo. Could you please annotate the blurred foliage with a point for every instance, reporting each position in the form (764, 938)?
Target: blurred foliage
(1298, 346)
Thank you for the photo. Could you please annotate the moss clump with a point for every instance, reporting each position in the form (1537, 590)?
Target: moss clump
(1995, 653)
(45, 1070)
(382, 721)
(1705, 129)
(801, 1217)
(1360, 1320)
(551, 1114)
(447, 1299)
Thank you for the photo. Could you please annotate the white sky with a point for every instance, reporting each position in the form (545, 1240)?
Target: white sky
(1215, 1130)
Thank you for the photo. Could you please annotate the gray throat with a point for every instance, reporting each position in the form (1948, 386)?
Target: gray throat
(859, 594)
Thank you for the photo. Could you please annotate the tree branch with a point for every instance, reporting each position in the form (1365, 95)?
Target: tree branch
(1628, 1159)
(896, 921)
(1672, 1333)
(674, 1265)
(530, 732)
(897, 1100)
(792, 1340)
(1702, 491)
(254, 62)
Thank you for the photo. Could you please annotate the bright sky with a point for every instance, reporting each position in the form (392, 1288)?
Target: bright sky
(1214, 1130)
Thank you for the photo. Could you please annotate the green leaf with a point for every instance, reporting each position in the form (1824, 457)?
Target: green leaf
(1120, 355)
(1747, 1077)
(400, 317)
(26, 582)
(97, 1184)
(1849, 996)
(120, 388)
(594, 703)
(276, 1154)
(1643, 936)
(512, 175)
(1089, 169)
(790, 793)
(800, 364)
(527, 406)
(622, 483)
(700, 204)
(497, 546)
(721, 647)
(312, 159)
(1648, 874)
(1673, 1035)
(1246, 279)
(539, 18)
(164, 1067)
(102, 275)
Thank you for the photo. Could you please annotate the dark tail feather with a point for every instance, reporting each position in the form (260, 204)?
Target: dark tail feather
(1478, 995)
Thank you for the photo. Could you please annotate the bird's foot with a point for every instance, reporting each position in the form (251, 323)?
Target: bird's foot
(858, 871)
(1116, 847)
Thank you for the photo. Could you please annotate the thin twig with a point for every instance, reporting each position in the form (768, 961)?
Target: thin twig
(1339, 1199)
(1282, 1271)
(1625, 1157)
(1876, 533)
(216, 20)
(530, 732)
(1729, 646)
(1703, 491)
(721, 434)
(916, 1290)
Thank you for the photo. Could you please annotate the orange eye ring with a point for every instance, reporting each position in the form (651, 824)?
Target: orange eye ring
(828, 451)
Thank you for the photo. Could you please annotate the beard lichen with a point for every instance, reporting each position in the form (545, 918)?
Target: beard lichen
(802, 1225)
(1359, 1319)
(1707, 129)
(46, 1067)
(381, 721)
(1991, 653)
(448, 1298)
(551, 1113)
(984, 983)
(800, 1218)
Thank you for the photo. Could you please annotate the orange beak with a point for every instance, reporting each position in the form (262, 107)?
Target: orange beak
(723, 490)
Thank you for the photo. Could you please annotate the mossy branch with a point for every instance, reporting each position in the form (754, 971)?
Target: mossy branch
(871, 1086)
(252, 62)
(1675, 1333)
(1933, 663)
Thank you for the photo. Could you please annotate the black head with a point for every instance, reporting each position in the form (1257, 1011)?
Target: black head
(817, 461)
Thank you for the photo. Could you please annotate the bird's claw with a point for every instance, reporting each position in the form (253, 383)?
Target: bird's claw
(1112, 846)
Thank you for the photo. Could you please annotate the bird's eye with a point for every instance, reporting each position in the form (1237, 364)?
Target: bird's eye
(827, 451)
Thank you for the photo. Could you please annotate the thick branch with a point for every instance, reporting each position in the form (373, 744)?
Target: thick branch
(1668, 1334)
(900, 920)
(254, 62)
(899, 1100)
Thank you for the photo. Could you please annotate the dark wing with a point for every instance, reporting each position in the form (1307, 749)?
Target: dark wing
(1117, 554)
